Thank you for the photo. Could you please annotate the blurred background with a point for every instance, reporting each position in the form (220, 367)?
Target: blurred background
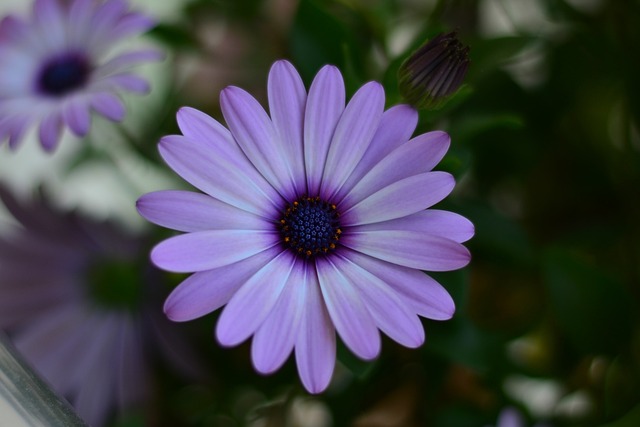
(546, 152)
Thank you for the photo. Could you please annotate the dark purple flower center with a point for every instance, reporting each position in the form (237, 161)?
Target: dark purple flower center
(310, 227)
(63, 74)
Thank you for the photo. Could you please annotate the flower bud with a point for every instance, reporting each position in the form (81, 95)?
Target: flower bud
(434, 71)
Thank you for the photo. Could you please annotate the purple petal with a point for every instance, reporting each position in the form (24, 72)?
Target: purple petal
(351, 318)
(391, 313)
(48, 16)
(287, 100)
(254, 132)
(189, 211)
(129, 82)
(417, 156)
(396, 127)
(510, 417)
(206, 291)
(132, 23)
(14, 29)
(253, 302)
(76, 116)
(220, 171)
(424, 295)
(316, 342)
(402, 198)
(126, 60)
(352, 136)
(18, 127)
(432, 221)
(104, 18)
(80, 13)
(325, 105)
(108, 105)
(275, 338)
(198, 126)
(49, 132)
(410, 248)
(91, 402)
(205, 250)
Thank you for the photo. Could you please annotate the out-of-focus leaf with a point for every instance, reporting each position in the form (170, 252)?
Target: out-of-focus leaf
(318, 38)
(173, 35)
(488, 54)
(459, 339)
(497, 237)
(590, 304)
(469, 126)
(631, 419)
(362, 369)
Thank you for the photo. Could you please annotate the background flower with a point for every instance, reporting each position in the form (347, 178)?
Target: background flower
(58, 65)
(78, 303)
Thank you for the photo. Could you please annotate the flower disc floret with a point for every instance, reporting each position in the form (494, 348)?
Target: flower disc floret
(310, 227)
(63, 74)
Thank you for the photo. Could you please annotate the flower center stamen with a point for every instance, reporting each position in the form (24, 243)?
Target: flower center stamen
(63, 74)
(310, 227)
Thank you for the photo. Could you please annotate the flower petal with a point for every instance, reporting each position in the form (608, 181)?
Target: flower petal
(132, 23)
(125, 60)
(396, 127)
(18, 127)
(189, 211)
(432, 221)
(287, 100)
(49, 132)
(275, 338)
(352, 136)
(220, 171)
(205, 250)
(402, 198)
(254, 132)
(206, 291)
(48, 16)
(325, 105)
(128, 82)
(409, 248)
(391, 313)
(253, 302)
(108, 105)
(316, 342)
(351, 318)
(417, 156)
(76, 115)
(421, 292)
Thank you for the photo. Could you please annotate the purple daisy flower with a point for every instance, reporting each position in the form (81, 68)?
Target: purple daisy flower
(313, 222)
(81, 309)
(56, 67)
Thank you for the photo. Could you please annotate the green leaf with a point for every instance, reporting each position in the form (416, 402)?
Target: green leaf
(318, 38)
(175, 36)
(590, 304)
(486, 55)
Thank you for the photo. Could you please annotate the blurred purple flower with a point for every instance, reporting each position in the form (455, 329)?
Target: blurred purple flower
(313, 222)
(80, 308)
(511, 417)
(56, 67)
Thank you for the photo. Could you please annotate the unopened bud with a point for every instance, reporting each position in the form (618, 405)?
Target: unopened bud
(434, 71)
